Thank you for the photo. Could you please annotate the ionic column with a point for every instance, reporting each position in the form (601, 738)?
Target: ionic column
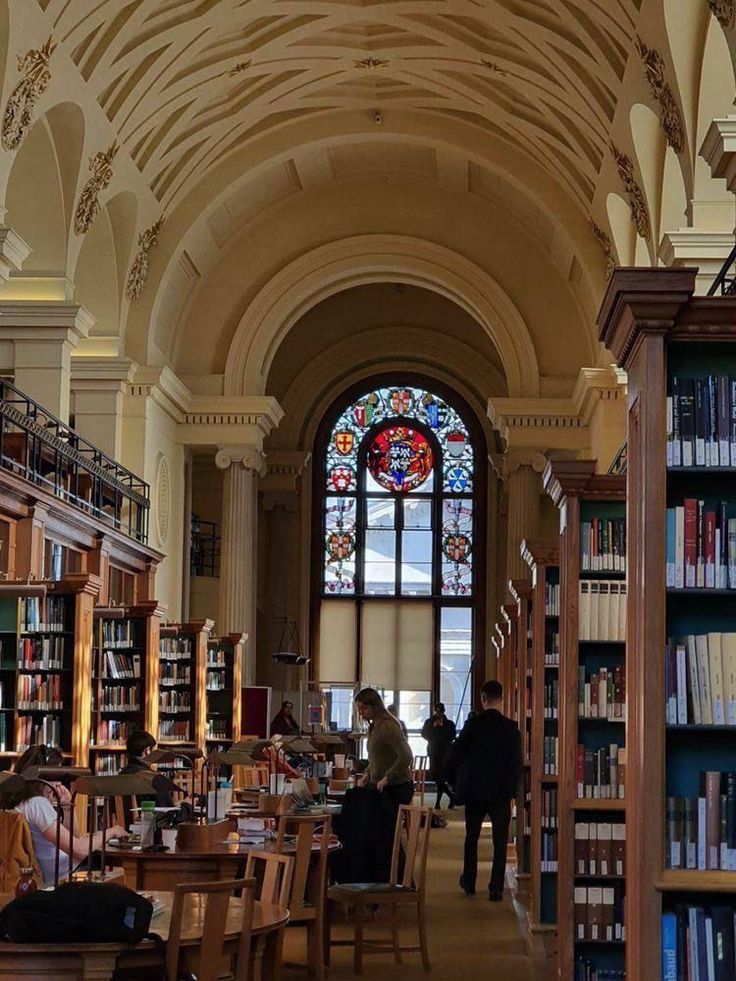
(241, 466)
(521, 472)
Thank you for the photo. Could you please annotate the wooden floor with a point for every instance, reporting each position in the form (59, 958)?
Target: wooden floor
(467, 935)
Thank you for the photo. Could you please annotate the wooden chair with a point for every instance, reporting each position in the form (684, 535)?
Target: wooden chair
(409, 889)
(277, 874)
(309, 882)
(420, 776)
(211, 954)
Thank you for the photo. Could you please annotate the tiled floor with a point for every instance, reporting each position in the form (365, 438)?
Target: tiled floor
(467, 936)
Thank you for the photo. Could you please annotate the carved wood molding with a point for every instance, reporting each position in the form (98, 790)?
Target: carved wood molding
(540, 551)
(520, 589)
(634, 194)
(34, 66)
(577, 478)
(669, 111)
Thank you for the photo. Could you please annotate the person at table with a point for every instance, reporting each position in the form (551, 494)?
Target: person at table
(138, 745)
(393, 711)
(390, 759)
(35, 801)
(484, 764)
(439, 731)
(284, 723)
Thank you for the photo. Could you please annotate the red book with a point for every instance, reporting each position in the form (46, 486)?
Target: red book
(580, 770)
(709, 547)
(691, 540)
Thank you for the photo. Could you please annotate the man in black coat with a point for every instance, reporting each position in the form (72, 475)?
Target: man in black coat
(485, 763)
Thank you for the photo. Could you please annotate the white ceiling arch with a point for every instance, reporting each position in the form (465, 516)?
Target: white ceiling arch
(361, 259)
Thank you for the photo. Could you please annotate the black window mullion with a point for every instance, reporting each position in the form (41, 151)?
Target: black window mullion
(399, 551)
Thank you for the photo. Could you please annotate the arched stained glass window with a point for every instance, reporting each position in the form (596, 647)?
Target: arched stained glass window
(398, 556)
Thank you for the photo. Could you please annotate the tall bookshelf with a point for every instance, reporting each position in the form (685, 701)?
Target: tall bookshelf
(224, 685)
(543, 560)
(590, 896)
(521, 592)
(125, 675)
(45, 666)
(182, 665)
(670, 341)
(508, 625)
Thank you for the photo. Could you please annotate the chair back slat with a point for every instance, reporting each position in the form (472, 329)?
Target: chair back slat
(216, 898)
(310, 830)
(418, 822)
(277, 874)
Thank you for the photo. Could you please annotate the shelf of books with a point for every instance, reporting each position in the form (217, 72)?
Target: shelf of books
(591, 884)
(544, 662)
(679, 351)
(45, 655)
(224, 690)
(124, 680)
(521, 592)
(182, 704)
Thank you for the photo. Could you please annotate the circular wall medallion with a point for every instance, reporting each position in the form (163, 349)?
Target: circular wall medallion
(162, 487)
(400, 459)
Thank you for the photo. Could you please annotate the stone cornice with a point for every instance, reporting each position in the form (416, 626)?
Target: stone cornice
(94, 373)
(14, 251)
(44, 320)
(719, 150)
(693, 245)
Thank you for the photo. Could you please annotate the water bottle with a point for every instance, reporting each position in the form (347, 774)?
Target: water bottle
(148, 824)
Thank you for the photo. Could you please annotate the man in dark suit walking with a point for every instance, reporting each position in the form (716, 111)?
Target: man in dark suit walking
(486, 763)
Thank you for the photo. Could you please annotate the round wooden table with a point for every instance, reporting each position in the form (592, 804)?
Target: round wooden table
(97, 962)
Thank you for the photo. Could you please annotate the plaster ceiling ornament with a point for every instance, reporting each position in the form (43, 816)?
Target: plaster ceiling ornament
(669, 111)
(139, 269)
(637, 203)
(603, 239)
(724, 11)
(371, 64)
(34, 65)
(89, 200)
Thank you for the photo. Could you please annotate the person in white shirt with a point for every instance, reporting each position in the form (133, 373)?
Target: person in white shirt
(34, 802)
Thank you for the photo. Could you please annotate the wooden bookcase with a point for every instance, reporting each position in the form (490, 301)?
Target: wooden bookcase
(508, 626)
(45, 666)
(182, 708)
(125, 674)
(224, 684)
(658, 330)
(543, 560)
(521, 592)
(582, 495)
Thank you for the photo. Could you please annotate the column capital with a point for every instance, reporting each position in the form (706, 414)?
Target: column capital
(283, 469)
(102, 373)
(245, 457)
(44, 320)
(514, 460)
(719, 150)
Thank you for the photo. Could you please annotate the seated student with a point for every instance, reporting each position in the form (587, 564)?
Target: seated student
(138, 745)
(35, 802)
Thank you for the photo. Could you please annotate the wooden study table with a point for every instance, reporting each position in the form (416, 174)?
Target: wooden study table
(97, 962)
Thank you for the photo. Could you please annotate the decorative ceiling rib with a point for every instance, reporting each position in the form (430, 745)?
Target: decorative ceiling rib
(185, 82)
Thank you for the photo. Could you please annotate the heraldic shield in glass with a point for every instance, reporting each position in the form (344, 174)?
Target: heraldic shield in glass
(399, 444)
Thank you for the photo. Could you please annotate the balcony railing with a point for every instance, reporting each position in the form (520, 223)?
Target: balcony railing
(205, 548)
(43, 450)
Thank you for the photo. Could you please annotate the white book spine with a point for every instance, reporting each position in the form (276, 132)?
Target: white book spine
(679, 548)
(681, 686)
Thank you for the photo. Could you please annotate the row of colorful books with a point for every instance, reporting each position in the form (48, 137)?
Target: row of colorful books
(549, 855)
(174, 701)
(549, 818)
(552, 599)
(550, 756)
(551, 699)
(117, 633)
(119, 666)
(31, 731)
(700, 546)
(175, 674)
(701, 831)
(39, 691)
(701, 422)
(120, 698)
(109, 763)
(699, 943)
(41, 653)
(216, 657)
(599, 912)
(603, 545)
(217, 680)
(175, 648)
(700, 680)
(601, 773)
(602, 693)
(47, 615)
(173, 730)
(113, 732)
(602, 610)
(600, 848)
(217, 729)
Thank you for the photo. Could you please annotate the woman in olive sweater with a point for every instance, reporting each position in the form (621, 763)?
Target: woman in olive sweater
(390, 759)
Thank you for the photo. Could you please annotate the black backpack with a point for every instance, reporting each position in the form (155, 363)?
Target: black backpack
(78, 912)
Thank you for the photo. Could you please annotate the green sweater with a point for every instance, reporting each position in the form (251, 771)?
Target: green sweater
(389, 754)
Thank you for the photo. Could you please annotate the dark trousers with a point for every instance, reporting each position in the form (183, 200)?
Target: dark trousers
(475, 813)
(442, 788)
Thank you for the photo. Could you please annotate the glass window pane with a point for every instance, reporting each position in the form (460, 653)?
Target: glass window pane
(380, 514)
(457, 546)
(340, 545)
(417, 514)
(380, 562)
(416, 566)
(456, 656)
(414, 708)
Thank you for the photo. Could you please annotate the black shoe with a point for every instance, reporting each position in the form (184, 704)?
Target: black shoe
(495, 896)
(466, 888)
(451, 806)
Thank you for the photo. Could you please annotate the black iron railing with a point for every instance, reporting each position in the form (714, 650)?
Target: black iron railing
(43, 450)
(725, 281)
(205, 548)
